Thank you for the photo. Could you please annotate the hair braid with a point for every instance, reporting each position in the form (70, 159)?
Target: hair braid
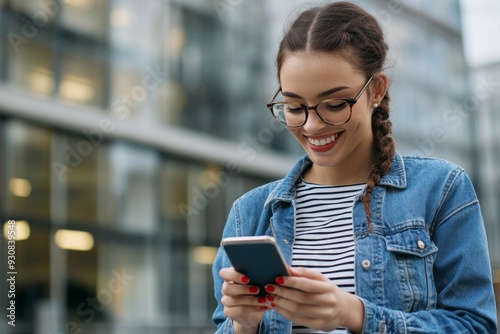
(384, 148)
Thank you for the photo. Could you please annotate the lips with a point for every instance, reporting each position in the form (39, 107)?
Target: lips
(323, 141)
(324, 144)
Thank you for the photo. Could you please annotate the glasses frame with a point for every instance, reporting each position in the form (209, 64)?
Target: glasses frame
(350, 101)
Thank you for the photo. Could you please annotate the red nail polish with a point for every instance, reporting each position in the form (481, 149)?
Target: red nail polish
(270, 298)
(280, 280)
(253, 289)
(272, 305)
(263, 308)
(261, 300)
(269, 288)
(245, 279)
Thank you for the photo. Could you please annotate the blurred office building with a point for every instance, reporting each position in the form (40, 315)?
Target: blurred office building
(128, 128)
(486, 91)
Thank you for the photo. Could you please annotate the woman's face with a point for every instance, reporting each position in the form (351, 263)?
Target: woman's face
(305, 77)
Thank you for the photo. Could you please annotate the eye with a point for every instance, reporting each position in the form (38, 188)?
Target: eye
(293, 108)
(333, 105)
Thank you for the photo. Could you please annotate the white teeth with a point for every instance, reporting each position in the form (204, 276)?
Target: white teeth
(323, 142)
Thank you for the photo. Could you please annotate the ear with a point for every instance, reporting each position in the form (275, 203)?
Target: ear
(380, 86)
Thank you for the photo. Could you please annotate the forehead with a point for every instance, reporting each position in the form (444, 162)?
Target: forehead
(317, 71)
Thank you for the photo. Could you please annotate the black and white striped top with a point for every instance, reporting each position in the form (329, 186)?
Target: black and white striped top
(324, 239)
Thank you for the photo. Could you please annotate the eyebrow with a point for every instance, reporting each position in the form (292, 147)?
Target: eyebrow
(320, 95)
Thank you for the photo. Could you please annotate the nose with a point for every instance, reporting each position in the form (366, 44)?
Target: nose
(314, 123)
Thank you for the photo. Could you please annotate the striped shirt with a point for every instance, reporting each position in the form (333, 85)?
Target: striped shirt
(324, 239)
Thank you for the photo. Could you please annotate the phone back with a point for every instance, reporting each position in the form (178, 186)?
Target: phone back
(261, 262)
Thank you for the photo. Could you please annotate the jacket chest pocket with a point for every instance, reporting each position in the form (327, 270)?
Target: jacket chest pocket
(410, 258)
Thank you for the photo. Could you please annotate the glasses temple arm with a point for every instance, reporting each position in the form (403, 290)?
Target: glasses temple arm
(275, 94)
(363, 89)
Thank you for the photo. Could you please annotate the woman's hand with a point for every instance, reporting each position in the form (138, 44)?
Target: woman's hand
(240, 301)
(309, 298)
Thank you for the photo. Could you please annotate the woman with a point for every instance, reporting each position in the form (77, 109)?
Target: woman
(377, 242)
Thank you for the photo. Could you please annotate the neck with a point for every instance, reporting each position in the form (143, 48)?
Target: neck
(355, 171)
(335, 176)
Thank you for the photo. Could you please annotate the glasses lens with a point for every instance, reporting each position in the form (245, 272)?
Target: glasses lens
(334, 111)
(289, 114)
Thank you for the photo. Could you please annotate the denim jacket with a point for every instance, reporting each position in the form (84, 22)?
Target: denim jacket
(422, 268)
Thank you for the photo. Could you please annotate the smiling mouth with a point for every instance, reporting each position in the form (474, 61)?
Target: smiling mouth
(324, 141)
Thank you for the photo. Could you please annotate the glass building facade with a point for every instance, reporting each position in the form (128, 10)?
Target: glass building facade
(486, 99)
(128, 128)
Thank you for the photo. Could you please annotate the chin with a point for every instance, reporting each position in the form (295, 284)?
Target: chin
(323, 161)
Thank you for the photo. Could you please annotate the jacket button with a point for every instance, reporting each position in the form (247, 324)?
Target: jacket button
(366, 264)
(421, 244)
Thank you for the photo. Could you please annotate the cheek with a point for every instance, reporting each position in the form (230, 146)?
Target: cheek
(294, 133)
(362, 117)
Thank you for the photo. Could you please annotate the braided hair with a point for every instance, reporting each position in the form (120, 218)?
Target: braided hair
(345, 28)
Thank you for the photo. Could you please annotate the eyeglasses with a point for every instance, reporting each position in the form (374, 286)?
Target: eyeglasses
(331, 111)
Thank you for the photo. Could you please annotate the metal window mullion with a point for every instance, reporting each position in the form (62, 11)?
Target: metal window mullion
(58, 216)
(195, 234)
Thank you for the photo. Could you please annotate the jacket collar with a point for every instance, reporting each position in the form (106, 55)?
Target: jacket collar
(397, 175)
(285, 189)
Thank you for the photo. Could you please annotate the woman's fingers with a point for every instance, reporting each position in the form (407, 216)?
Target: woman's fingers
(229, 274)
(307, 297)
(236, 289)
(240, 300)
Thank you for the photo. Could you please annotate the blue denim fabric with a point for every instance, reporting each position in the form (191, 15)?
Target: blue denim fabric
(424, 266)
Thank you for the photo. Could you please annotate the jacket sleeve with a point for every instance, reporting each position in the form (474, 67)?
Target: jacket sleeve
(224, 325)
(462, 273)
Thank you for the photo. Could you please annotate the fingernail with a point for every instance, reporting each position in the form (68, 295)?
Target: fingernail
(270, 298)
(280, 280)
(261, 300)
(272, 305)
(245, 279)
(269, 288)
(253, 289)
(263, 308)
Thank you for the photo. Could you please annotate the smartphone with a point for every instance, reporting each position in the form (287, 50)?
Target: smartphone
(257, 257)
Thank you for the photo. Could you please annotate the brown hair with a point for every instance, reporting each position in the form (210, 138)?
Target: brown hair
(346, 28)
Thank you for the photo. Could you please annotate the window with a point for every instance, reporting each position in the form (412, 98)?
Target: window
(31, 68)
(197, 63)
(86, 17)
(83, 76)
(25, 199)
(26, 160)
